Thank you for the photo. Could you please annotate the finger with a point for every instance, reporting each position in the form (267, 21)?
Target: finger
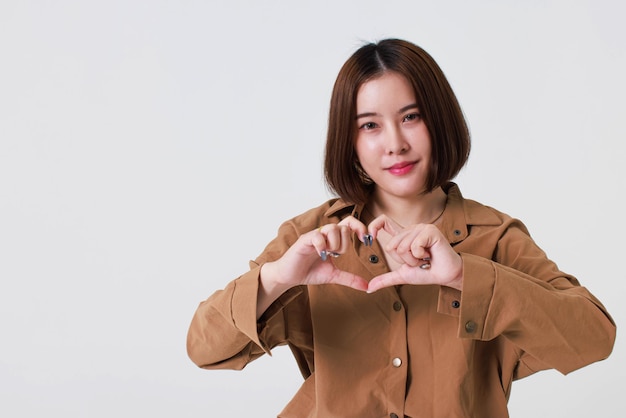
(385, 223)
(345, 239)
(319, 241)
(406, 257)
(332, 233)
(428, 237)
(358, 228)
(414, 245)
(337, 242)
(400, 248)
(332, 240)
(401, 255)
(419, 251)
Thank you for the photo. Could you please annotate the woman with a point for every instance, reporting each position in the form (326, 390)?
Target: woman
(400, 297)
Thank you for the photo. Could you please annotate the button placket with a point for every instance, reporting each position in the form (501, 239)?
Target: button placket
(397, 372)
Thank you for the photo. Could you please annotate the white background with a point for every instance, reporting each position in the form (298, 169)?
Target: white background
(149, 149)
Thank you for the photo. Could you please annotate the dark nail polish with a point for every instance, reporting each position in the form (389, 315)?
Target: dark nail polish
(368, 240)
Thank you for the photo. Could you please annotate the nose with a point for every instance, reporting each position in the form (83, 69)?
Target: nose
(395, 142)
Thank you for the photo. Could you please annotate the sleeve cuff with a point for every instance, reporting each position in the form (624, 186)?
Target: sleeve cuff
(449, 301)
(244, 304)
(479, 279)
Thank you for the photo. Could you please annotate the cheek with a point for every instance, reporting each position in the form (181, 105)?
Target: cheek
(358, 149)
(364, 159)
(365, 150)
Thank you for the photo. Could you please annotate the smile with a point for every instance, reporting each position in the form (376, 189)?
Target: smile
(402, 168)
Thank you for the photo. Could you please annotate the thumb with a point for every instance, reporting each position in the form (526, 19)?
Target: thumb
(389, 279)
(349, 279)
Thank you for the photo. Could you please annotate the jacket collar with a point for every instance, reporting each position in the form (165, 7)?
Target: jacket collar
(459, 214)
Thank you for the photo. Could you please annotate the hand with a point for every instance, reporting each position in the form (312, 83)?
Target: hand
(424, 255)
(307, 260)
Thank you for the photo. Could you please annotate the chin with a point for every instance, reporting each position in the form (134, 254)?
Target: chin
(406, 189)
(408, 193)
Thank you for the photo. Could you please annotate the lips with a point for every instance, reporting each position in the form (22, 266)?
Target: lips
(401, 168)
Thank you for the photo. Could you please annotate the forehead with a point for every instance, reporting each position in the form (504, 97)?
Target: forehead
(389, 89)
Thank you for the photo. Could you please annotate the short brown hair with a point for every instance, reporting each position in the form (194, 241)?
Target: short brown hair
(438, 106)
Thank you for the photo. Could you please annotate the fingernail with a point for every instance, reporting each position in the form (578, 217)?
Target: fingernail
(325, 254)
(368, 240)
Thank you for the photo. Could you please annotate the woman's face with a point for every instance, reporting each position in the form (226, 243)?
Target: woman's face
(392, 143)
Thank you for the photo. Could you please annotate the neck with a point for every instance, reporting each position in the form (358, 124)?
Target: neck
(425, 208)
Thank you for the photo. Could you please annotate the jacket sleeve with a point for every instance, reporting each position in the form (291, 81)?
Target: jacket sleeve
(224, 332)
(522, 296)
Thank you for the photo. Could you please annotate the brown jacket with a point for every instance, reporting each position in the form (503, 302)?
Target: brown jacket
(415, 351)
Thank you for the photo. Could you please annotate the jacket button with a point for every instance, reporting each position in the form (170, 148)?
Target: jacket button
(457, 232)
(396, 362)
(470, 326)
(373, 259)
(397, 306)
(456, 304)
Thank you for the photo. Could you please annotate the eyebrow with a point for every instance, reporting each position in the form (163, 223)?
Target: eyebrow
(402, 110)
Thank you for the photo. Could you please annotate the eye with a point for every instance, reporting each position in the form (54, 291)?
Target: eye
(412, 116)
(368, 125)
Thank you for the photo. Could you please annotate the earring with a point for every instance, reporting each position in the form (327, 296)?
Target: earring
(363, 176)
